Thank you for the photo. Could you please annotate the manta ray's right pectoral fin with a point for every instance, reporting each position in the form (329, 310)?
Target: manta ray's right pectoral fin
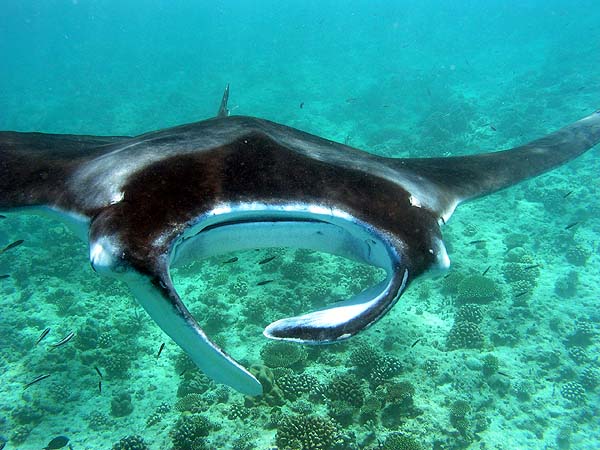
(157, 295)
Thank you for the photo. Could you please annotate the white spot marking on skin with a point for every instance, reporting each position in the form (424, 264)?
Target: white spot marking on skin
(101, 253)
(414, 201)
(117, 197)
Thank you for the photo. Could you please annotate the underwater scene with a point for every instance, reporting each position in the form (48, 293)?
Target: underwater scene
(498, 352)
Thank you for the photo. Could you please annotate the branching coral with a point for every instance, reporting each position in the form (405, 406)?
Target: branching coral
(133, 442)
(589, 378)
(574, 392)
(283, 354)
(458, 416)
(189, 432)
(400, 441)
(478, 289)
(464, 335)
(490, 365)
(346, 388)
(120, 404)
(469, 313)
(374, 365)
(193, 403)
(293, 385)
(307, 433)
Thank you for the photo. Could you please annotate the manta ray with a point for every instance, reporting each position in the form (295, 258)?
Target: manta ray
(155, 201)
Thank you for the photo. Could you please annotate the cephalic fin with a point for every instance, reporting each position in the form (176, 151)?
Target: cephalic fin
(160, 299)
(344, 319)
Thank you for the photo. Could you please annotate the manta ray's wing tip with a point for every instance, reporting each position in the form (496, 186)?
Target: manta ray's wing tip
(251, 386)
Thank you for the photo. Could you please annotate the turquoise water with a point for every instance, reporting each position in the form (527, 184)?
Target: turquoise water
(413, 79)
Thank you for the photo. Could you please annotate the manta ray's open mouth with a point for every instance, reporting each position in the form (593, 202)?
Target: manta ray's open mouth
(308, 227)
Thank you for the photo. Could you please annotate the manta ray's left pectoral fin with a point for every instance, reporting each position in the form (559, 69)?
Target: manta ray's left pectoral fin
(344, 319)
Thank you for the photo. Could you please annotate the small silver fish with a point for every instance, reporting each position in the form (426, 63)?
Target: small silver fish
(36, 380)
(43, 335)
(64, 340)
(12, 245)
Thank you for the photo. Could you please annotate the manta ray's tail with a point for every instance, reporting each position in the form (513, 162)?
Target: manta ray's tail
(466, 177)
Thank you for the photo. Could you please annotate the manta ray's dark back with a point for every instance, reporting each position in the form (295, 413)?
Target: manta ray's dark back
(34, 167)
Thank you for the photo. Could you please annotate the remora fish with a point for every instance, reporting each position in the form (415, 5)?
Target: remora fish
(239, 183)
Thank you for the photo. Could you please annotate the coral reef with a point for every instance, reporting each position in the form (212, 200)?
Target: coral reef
(272, 394)
(400, 441)
(193, 403)
(307, 433)
(240, 288)
(364, 356)
(120, 405)
(578, 354)
(400, 393)
(345, 388)
(566, 286)
(589, 378)
(99, 421)
(583, 333)
(458, 416)
(294, 385)
(194, 382)
(133, 442)
(237, 412)
(20, 434)
(189, 432)
(574, 392)
(397, 401)
(465, 335)
(477, 289)
(283, 354)
(243, 442)
(117, 364)
(432, 368)
(374, 365)
(469, 313)
(577, 255)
